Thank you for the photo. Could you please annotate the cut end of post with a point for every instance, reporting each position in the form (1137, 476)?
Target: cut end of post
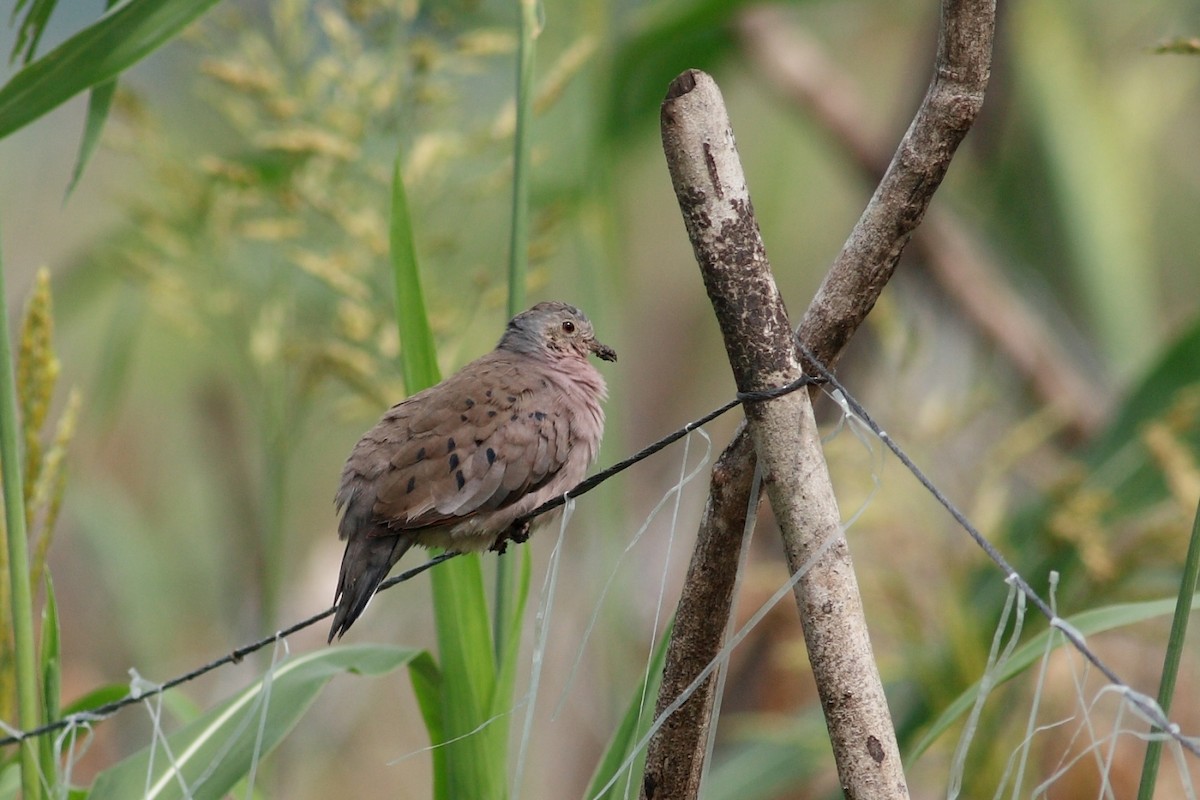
(683, 83)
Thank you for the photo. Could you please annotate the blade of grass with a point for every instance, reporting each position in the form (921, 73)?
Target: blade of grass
(31, 28)
(476, 742)
(529, 28)
(98, 53)
(99, 103)
(51, 669)
(474, 758)
(216, 751)
(28, 706)
(418, 357)
(1179, 625)
(427, 686)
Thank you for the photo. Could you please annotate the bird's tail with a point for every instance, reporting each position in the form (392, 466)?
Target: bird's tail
(367, 561)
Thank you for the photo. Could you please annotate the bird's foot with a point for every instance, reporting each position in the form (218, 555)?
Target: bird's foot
(517, 532)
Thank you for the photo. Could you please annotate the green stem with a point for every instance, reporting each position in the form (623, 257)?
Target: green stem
(28, 710)
(1166, 688)
(518, 249)
(517, 256)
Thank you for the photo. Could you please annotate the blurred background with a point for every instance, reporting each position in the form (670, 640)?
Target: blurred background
(224, 307)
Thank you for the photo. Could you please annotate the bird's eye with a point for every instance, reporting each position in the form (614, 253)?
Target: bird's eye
(568, 326)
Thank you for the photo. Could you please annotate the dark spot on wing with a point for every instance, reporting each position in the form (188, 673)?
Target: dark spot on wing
(491, 456)
(412, 484)
(421, 454)
(491, 414)
(453, 462)
(470, 403)
(450, 445)
(458, 476)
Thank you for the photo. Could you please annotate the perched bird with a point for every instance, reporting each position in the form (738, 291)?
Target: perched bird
(458, 465)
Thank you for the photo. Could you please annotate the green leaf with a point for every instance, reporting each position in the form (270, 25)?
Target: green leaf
(51, 669)
(30, 31)
(475, 763)
(97, 698)
(24, 662)
(95, 55)
(1097, 620)
(1174, 654)
(99, 103)
(476, 756)
(632, 730)
(418, 357)
(220, 746)
(427, 686)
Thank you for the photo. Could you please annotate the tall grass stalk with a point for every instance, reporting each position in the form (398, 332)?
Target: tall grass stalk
(28, 710)
(1179, 625)
(472, 758)
(529, 27)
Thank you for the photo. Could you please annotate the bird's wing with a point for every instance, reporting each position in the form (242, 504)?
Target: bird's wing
(485, 438)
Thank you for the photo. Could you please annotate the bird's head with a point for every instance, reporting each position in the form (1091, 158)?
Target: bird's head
(554, 328)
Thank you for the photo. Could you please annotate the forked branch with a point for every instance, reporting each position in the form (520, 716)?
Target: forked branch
(676, 754)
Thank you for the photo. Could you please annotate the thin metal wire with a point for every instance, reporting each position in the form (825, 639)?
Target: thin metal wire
(1144, 704)
(236, 656)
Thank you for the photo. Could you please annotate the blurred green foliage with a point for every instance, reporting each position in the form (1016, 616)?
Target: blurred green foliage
(235, 330)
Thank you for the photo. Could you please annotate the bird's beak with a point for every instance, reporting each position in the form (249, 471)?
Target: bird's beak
(602, 350)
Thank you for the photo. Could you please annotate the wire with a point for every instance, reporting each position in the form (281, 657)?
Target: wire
(1143, 703)
(103, 712)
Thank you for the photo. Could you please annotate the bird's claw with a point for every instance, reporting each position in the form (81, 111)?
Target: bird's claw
(517, 532)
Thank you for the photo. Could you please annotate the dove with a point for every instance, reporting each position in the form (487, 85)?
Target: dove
(457, 466)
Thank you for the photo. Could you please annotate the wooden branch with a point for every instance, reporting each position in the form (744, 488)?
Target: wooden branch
(799, 69)
(715, 202)
(869, 256)
(676, 754)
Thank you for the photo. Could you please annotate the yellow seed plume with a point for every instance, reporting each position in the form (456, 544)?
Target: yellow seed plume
(48, 494)
(37, 373)
(1174, 458)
